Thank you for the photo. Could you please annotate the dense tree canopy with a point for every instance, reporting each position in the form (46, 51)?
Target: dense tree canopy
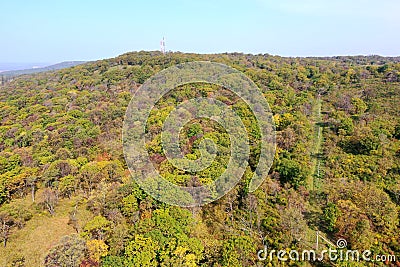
(336, 167)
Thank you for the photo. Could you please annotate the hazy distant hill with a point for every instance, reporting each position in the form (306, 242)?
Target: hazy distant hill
(58, 66)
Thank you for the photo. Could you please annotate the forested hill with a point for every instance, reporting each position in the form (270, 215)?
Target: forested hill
(65, 188)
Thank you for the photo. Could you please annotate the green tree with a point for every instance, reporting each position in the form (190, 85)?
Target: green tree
(331, 214)
(291, 172)
(359, 106)
(141, 252)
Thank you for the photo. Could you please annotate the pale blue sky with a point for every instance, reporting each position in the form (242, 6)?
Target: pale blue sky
(58, 30)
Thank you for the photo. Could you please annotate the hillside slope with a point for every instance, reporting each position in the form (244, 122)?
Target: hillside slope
(62, 164)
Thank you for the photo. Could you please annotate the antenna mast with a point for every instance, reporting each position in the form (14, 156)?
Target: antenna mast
(162, 44)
